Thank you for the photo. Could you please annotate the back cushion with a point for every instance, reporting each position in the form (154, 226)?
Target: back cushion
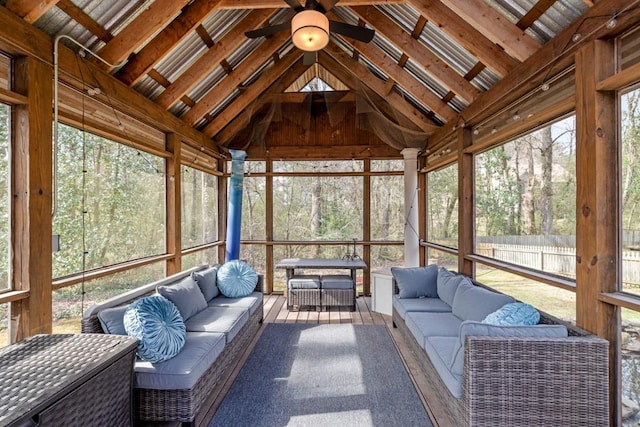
(447, 285)
(475, 303)
(186, 295)
(416, 282)
(206, 281)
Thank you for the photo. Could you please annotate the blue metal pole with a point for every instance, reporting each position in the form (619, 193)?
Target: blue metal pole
(234, 215)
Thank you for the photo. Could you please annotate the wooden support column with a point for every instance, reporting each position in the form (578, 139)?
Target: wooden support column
(174, 204)
(597, 209)
(269, 264)
(366, 227)
(31, 189)
(466, 208)
(222, 208)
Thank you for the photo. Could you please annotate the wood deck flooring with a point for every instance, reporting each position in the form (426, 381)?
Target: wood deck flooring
(275, 311)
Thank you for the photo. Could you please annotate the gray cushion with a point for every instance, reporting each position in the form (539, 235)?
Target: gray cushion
(424, 325)
(470, 328)
(416, 282)
(206, 281)
(336, 281)
(226, 320)
(304, 281)
(447, 284)
(440, 351)
(472, 302)
(111, 320)
(186, 295)
(251, 302)
(182, 371)
(402, 306)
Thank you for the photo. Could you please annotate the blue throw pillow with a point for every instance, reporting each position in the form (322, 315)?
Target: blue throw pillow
(516, 314)
(156, 323)
(236, 279)
(416, 282)
(206, 281)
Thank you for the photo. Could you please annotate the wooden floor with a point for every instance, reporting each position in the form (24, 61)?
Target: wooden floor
(275, 311)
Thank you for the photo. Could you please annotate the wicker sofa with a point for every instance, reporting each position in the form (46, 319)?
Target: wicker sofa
(550, 374)
(183, 388)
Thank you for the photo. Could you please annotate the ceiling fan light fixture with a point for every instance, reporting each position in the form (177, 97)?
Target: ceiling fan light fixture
(310, 30)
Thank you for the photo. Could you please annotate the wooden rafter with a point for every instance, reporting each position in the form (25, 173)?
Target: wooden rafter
(154, 18)
(430, 61)
(188, 21)
(79, 15)
(235, 78)
(223, 48)
(534, 13)
(495, 26)
(30, 10)
(466, 35)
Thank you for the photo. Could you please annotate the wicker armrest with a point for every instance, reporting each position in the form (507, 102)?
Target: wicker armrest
(533, 381)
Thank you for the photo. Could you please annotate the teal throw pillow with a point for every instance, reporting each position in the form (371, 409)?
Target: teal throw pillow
(236, 279)
(516, 314)
(156, 323)
(416, 282)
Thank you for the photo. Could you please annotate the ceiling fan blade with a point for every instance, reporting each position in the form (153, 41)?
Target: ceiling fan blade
(266, 31)
(352, 31)
(293, 4)
(327, 5)
(309, 58)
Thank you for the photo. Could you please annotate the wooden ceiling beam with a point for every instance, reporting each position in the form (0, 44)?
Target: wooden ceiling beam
(155, 17)
(235, 78)
(406, 80)
(274, 81)
(352, 73)
(466, 35)
(495, 26)
(209, 60)
(534, 13)
(188, 21)
(271, 4)
(81, 17)
(30, 10)
(421, 54)
(339, 152)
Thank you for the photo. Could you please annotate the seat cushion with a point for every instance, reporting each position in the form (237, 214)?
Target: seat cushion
(472, 302)
(207, 282)
(440, 350)
(424, 325)
(402, 306)
(225, 320)
(304, 281)
(336, 281)
(416, 282)
(200, 351)
(186, 295)
(251, 302)
(236, 279)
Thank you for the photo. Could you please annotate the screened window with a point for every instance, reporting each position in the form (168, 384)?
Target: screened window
(387, 208)
(199, 207)
(115, 211)
(442, 206)
(630, 191)
(525, 200)
(5, 200)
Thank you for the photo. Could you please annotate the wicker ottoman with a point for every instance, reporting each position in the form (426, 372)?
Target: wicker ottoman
(303, 290)
(338, 290)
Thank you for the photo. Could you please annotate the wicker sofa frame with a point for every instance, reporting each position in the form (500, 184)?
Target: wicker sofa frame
(503, 379)
(189, 406)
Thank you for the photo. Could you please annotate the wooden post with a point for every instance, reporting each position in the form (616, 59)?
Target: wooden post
(597, 208)
(269, 227)
(31, 189)
(173, 206)
(466, 204)
(366, 227)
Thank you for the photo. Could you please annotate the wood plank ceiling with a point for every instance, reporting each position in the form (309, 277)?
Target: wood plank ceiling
(429, 60)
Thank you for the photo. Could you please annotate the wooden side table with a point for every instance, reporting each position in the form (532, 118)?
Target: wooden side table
(70, 380)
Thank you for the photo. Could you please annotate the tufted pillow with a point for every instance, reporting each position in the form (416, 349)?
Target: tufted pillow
(186, 295)
(236, 279)
(156, 323)
(206, 281)
(416, 282)
(515, 313)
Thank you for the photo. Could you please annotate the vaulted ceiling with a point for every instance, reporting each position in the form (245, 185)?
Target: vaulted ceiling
(429, 59)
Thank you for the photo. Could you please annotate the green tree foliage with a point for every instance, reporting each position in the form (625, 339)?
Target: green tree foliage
(5, 238)
(630, 179)
(442, 206)
(199, 207)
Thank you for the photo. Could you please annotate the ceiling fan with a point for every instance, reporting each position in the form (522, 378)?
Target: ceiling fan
(310, 28)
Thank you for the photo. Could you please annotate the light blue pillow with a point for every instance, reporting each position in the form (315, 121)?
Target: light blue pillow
(207, 283)
(515, 313)
(447, 284)
(236, 279)
(111, 320)
(416, 282)
(186, 295)
(156, 323)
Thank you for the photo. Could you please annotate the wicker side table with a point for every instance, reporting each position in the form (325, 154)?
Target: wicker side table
(70, 380)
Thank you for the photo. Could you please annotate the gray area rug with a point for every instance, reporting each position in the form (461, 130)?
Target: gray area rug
(322, 375)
